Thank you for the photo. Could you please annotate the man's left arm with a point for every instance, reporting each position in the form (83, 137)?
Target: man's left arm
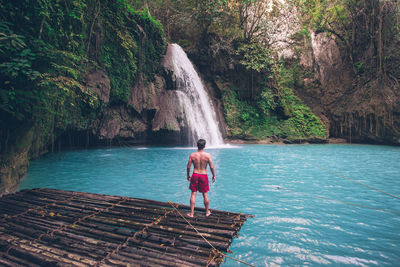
(189, 165)
(210, 163)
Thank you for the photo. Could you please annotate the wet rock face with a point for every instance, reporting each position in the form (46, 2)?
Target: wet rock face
(153, 114)
(11, 175)
(334, 73)
(99, 83)
(118, 122)
(170, 115)
(145, 95)
(168, 123)
(17, 162)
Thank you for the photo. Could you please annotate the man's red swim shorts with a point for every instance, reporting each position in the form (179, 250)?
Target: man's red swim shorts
(199, 182)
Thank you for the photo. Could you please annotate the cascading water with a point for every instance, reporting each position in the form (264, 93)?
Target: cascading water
(193, 98)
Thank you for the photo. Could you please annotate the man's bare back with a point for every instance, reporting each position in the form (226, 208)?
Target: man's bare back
(199, 179)
(200, 160)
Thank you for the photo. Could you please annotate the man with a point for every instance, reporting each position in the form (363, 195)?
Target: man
(199, 179)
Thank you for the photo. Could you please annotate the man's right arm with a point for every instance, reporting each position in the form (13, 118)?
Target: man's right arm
(189, 165)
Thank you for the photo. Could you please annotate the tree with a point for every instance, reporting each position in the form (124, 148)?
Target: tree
(255, 57)
(367, 28)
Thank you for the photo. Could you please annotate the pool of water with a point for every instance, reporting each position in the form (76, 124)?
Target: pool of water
(306, 211)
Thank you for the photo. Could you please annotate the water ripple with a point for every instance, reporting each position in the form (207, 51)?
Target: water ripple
(301, 215)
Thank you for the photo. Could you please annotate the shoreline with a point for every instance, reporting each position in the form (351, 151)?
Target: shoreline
(275, 141)
(238, 141)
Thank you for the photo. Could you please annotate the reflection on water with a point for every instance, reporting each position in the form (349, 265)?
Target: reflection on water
(301, 214)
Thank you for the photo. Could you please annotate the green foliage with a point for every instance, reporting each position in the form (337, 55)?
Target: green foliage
(240, 116)
(300, 35)
(264, 118)
(153, 43)
(16, 73)
(42, 46)
(267, 101)
(48, 46)
(42, 40)
(359, 66)
(254, 56)
(319, 15)
(207, 13)
(301, 122)
(72, 103)
(135, 43)
(183, 43)
(119, 55)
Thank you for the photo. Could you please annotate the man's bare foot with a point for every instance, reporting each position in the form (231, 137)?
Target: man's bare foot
(208, 213)
(190, 215)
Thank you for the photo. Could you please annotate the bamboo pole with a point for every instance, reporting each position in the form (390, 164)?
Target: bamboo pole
(83, 249)
(149, 252)
(5, 262)
(8, 260)
(154, 258)
(87, 241)
(51, 252)
(32, 256)
(189, 232)
(28, 226)
(133, 201)
(170, 252)
(188, 244)
(125, 262)
(180, 206)
(47, 224)
(60, 250)
(225, 230)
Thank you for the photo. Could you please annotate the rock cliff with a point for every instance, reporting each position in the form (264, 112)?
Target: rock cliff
(152, 115)
(345, 70)
(360, 109)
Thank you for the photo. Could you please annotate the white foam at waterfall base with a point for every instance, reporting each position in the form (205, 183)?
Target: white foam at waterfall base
(197, 106)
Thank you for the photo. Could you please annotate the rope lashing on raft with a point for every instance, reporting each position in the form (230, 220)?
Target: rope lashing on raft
(73, 224)
(132, 237)
(38, 208)
(205, 239)
(214, 250)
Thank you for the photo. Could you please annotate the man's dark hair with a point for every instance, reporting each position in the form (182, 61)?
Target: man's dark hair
(201, 144)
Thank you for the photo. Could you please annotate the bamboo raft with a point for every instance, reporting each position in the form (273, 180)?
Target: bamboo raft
(48, 227)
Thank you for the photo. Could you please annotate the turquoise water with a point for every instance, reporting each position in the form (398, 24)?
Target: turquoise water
(296, 192)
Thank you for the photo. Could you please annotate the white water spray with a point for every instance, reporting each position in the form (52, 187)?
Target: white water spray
(193, 98)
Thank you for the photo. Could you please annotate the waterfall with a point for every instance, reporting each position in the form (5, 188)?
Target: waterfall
(197, 107)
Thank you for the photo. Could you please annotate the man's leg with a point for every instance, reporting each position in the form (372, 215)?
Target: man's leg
(192, 202)
(206, 203)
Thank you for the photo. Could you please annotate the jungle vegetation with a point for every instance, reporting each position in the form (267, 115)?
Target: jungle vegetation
(47, 47)
(237, 43)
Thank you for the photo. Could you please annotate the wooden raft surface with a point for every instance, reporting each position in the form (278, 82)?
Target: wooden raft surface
(48, 227)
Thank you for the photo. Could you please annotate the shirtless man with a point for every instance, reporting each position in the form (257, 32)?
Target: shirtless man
(199, 179)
